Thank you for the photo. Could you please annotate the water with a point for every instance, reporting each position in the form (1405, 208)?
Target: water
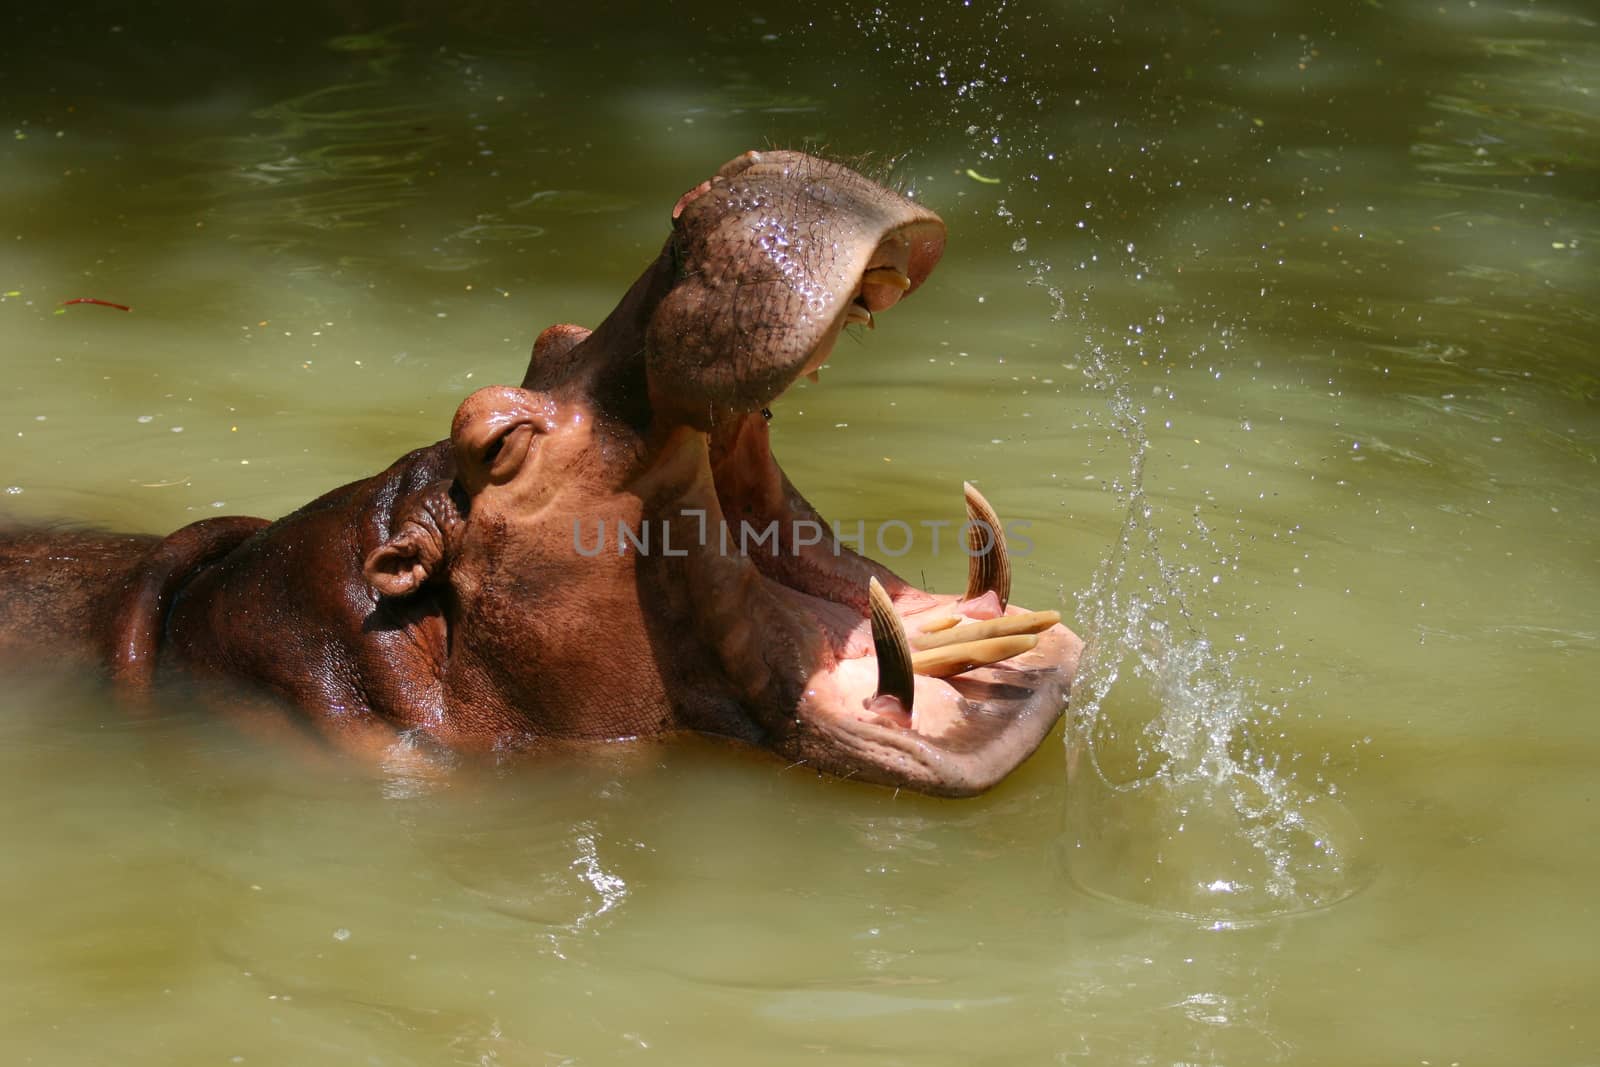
(1277, 326)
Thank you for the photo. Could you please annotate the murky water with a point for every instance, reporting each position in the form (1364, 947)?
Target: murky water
(1279, 327)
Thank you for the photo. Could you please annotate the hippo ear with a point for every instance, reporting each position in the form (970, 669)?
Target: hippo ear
(416, 552)
(403, 564)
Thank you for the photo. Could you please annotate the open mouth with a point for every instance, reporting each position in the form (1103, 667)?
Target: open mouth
(948, 693)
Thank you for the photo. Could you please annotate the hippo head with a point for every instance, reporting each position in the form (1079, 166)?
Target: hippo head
(617, 553)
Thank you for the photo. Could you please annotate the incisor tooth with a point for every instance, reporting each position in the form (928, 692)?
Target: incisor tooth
(860, 315)
(886, 276)
(951, 660)
(1028, 622)
(889, 642)
(988, 565)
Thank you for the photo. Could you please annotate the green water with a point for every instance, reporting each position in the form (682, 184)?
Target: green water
(1279, 326)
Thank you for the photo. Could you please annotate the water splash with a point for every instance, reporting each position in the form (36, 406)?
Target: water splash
(1175, 801)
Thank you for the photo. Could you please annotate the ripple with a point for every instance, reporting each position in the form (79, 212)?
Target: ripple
(1231, 852)
(574, 202)
(498, 231)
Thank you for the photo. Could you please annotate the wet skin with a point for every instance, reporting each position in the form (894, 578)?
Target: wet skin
(457, 600)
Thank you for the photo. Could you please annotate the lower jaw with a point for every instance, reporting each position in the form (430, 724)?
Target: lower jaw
(790, 622)
(851, 674)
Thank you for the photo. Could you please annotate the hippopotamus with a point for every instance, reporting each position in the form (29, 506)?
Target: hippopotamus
(572, 564)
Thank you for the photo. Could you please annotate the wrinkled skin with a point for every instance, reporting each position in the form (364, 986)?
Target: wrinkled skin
(450, 598)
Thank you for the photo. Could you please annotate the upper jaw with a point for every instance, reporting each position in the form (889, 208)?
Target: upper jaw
(885, 280)
(770, 258)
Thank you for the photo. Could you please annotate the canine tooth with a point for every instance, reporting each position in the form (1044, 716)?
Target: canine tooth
(951, 660)
(986, 570)
(1028, 622)
(889, 642)
(886, 276)
(815, 376)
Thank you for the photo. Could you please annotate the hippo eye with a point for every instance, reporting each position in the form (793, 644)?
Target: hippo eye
(503, 456)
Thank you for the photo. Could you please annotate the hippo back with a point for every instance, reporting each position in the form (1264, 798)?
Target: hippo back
(59, 589)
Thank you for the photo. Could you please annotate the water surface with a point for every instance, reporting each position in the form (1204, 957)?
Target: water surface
(1278, 326)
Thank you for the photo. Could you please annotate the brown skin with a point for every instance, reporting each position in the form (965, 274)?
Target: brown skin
(457, 598)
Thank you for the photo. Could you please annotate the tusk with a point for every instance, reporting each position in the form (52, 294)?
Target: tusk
(1028, 622)
(892, 276)
(989, 567)
(957, 659)
(889, 642)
